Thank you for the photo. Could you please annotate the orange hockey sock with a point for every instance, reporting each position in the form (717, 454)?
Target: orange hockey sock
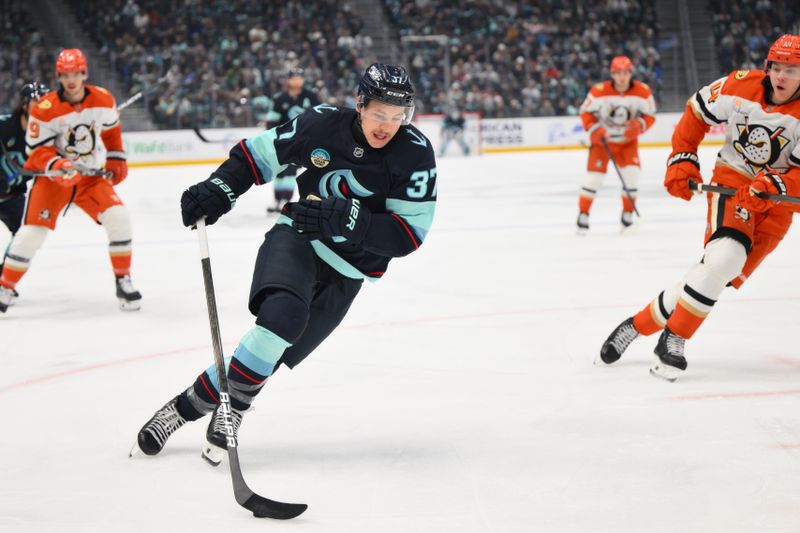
(11, 276)
(584, 203)
(627, 205)
(121, 262)
(685, 320)
(649, 320)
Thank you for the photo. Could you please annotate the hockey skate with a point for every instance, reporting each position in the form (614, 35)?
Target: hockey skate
(7, 297)
(616, 343)
(277, 207)
(129, 298)
(216, 447)
(583, 223)
(154, 434)
(670, 362)
(627, 222)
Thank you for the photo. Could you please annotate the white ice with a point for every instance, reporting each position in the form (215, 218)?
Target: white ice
(459, 394)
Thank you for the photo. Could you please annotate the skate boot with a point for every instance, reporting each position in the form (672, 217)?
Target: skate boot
(277, 207)
(129, 298)
(583, 223)
(216, 446)
(156, 431)
(670, 362)
(7, 297)
(616, 343)
(626, 220)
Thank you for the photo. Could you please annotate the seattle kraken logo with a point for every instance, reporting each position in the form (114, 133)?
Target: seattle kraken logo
(342, 184)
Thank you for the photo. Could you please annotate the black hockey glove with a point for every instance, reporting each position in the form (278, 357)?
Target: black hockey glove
(329, 218)
(211, 199)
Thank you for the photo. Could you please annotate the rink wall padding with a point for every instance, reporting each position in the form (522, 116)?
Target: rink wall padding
(498, 135)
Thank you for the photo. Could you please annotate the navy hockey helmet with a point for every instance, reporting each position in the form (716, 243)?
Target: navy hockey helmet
(32, 91)
(388, 84)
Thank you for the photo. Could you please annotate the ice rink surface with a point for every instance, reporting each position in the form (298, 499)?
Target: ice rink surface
(459, 394)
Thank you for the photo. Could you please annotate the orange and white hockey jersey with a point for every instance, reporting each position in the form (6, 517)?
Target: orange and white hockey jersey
(605, 106)
(86, 133)
(758, 135)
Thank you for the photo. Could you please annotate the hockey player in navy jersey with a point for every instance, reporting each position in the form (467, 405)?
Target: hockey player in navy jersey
(286, 106)
(368, 195)
(13, 185)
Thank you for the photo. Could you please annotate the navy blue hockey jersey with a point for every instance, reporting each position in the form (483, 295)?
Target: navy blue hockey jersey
(397, 183)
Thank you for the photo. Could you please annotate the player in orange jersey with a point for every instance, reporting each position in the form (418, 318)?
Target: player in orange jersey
(76, 131)
(761, 154)
(617, 111)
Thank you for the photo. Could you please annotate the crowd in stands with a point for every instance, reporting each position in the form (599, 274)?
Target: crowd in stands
(524, 58)
(215, 63)
(745, 29)
(23, 56)
(220, 62)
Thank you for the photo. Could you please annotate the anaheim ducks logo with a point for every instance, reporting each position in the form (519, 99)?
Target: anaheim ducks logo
(618, 115)
(81, 140)
(758, 145)
(342, 184)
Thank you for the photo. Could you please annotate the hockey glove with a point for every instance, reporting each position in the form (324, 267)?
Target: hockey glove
(9, 176)
(119, 167)
(682, 167)
(764, 182)
(598, 135)
(633, 128)
(211, 198)
(330, 218)
(70, 174)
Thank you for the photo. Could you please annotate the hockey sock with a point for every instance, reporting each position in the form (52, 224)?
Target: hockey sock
(653, 317)
(120, 253)
(252, 363)
(685, 320)
(585, 203)
(283, 187)
(12, 272)
(627, 205)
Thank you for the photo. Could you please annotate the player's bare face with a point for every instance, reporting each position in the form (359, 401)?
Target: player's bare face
(622, 79)
(73, 85)
(380, 122)
(294, 85)
(785, 79)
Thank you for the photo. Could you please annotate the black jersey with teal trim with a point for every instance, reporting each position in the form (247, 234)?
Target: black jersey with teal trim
(12, 137)
(397, 183)
(286, 107)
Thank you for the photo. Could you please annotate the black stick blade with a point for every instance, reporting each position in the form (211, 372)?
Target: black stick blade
(265, 508)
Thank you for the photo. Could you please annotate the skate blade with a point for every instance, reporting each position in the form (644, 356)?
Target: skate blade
(629, 230)
(582, 232)
(125, 305)
(135, 450)
(213, 455)
(666, 372)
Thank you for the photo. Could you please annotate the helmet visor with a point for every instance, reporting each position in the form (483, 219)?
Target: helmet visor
(393, 115)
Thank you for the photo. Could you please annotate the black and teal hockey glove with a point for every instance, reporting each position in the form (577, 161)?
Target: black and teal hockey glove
(330, 218)
(211, 198)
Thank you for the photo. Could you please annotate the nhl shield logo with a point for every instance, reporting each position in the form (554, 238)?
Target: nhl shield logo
(358, 151)
(320, 158)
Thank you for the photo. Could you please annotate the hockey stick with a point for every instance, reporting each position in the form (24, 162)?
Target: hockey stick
(205, 139)
(99, 172)
(624, 187)
(260, 506)
(137, 96)
(730, 191)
